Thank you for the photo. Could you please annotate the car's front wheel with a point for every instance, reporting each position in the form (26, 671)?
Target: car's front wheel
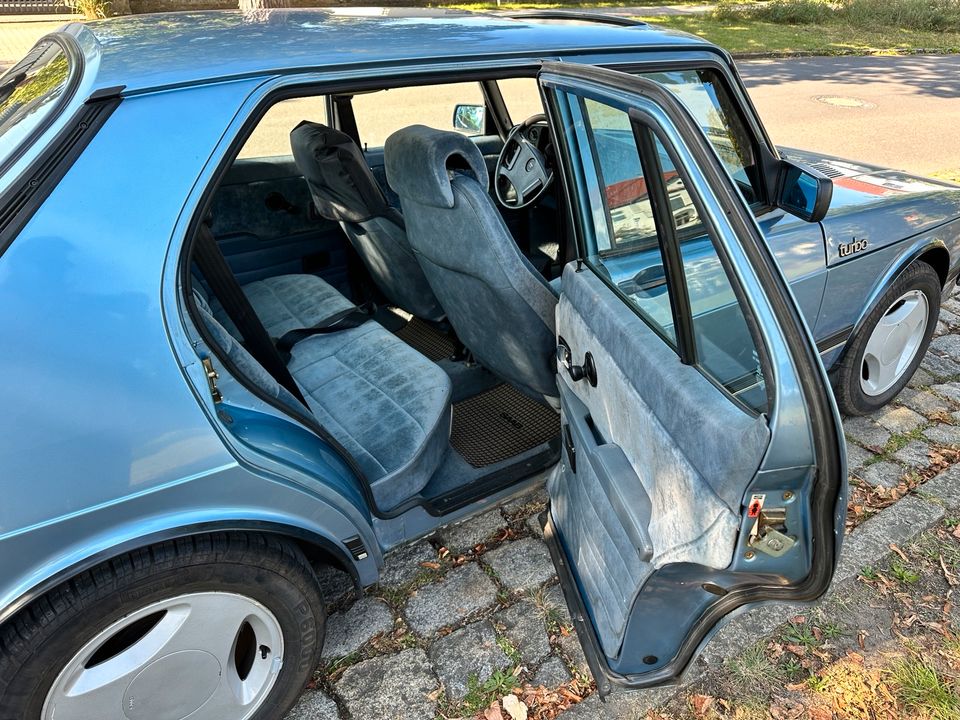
(216, 627)
(880, 360)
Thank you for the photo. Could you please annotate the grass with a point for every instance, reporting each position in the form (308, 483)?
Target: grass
(748, 36)
(924, 691)
(475, 6)
(903, 574)
(481, 694)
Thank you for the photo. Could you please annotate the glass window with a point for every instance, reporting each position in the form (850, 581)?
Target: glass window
(379, 114)
(522, 98)
(630, 256)
(705, 96)
(724, 344)
(271, 137)
(29, 92)
(630, 251)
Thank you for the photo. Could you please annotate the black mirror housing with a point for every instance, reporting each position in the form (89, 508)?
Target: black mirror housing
(803, 191)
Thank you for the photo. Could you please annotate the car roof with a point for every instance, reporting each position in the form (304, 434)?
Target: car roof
(145, 52)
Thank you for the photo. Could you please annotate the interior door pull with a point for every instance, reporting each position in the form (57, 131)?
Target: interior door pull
(577, 372)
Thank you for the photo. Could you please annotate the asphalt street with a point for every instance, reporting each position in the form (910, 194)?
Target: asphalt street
(901, 112)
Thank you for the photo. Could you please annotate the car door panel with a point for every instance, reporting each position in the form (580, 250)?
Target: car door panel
(264, 220)
(681, 496)
(692, 481)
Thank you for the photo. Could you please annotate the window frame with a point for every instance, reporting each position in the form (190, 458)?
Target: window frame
(587, 181)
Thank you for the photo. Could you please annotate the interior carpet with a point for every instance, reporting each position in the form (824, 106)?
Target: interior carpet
(423, 337)
(500, 423)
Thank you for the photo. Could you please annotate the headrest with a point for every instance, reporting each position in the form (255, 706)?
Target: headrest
(340, 180)
(419, 161)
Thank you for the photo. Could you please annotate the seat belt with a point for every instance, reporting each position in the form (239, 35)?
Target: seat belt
(346, 120)
(343, 320)
(227, 290)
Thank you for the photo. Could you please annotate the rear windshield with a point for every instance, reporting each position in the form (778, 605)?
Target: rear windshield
(30, 94)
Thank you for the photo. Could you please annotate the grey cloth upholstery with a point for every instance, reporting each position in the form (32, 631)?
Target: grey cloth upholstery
(287, 302)
(344, 190)
(694, 477)
(382, 400)
(387, 404)
(501, 308)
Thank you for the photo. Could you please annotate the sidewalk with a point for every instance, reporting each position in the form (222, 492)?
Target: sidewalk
(18, 33)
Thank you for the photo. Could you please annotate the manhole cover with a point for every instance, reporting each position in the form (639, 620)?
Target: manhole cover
(843, 101)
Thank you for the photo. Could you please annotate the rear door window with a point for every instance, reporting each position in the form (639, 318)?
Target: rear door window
(31, 92)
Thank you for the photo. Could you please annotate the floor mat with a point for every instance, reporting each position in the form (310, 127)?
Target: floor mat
(500, 423)
(423, 337)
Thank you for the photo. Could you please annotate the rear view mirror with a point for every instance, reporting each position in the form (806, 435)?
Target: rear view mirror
(469, 119)
(804, 192)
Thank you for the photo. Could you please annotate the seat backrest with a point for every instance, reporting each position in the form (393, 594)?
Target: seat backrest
(500, 306)
(344, 190)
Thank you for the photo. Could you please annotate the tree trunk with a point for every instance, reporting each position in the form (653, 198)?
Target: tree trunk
(253, 5)
(258, 11)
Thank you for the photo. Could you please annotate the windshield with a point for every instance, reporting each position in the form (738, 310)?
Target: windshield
(30, 93)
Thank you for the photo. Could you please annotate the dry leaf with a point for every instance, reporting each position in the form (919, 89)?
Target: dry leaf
(701, 704)
(493, 712)
(430, 565)
(899, 552)
(513, 705)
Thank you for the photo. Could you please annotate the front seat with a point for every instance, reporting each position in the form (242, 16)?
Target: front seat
(501, 308)
(344, 190)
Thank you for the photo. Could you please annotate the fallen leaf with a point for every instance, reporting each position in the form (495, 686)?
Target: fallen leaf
(798, 650)
(430, 565)
(899, 552)
(701, 704)
(493, 712)
(513, 705)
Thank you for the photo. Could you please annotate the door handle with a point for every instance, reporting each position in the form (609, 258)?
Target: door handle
(576, 372)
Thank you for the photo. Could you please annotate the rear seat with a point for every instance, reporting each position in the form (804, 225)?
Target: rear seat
(287, 302)
(387, 404)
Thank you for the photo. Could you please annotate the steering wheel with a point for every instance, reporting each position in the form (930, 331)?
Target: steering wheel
(522, 174)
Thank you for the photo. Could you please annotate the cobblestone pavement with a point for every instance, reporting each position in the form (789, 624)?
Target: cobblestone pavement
(441, 624)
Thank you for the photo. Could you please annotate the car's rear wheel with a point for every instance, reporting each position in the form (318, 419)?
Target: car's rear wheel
(215, 627)
(880, 360)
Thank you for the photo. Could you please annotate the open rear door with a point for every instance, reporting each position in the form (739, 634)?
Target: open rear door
(704, 468)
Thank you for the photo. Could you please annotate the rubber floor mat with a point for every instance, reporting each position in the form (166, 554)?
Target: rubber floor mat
(500, 423)
(423, 337)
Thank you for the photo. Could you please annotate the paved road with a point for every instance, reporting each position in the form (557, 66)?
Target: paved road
(909, 121)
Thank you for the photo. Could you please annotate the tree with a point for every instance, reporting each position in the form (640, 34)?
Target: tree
(253, 6)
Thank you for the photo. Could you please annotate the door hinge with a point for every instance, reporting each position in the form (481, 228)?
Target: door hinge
(212, 378)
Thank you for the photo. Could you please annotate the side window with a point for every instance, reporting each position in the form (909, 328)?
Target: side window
(379, 114)
(627, 252)
(522, 98)
(706, 96)
(645, 223)
(271, 136)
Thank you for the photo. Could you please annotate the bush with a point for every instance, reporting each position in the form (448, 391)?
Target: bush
(90, 9)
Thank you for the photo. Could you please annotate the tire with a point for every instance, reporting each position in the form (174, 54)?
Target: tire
(917, 284)
(208, 583)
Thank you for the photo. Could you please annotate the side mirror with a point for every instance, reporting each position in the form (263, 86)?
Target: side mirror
(469, 119)
(803, 191)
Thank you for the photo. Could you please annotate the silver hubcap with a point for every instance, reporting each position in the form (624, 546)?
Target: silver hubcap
(209, 656)
(894, 343)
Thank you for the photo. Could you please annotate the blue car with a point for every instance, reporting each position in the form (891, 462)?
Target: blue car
(286, 291)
